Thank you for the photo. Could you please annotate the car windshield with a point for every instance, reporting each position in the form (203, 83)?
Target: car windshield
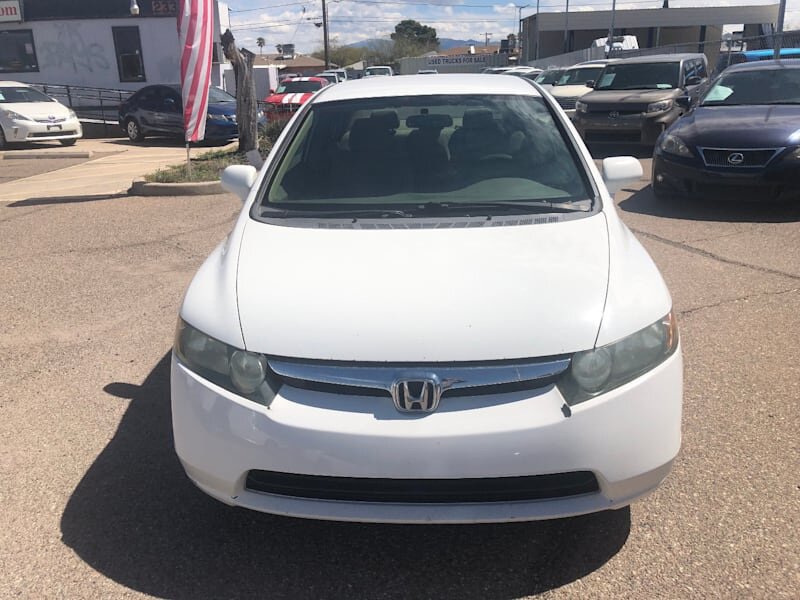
(440, 152)
(298, 87)
(639, 76)
(548, 77)
(764, 86)
(217, 95)
(13, 95)
(579, 76)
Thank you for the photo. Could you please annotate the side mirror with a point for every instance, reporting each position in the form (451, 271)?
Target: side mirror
(619, 171)
(238, 179)
(590, 83)
(684, 102)
(271, 90)
(695, 80)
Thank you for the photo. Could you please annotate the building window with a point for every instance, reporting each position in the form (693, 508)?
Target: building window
(129, 53)
(17, 54)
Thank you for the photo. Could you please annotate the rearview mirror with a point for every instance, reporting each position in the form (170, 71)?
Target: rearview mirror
(619, 171)
(590, 83)
(238, 179)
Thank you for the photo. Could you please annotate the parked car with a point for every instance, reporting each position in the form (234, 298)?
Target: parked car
(330, 77)
(427, 72)
(28, 115)
(286, 76)
(378, 70)
(634, 100)
(291, 95)
(157, 110)
(741, 141)
(549, 76)
(495, 70)
(572, 84)
(428, 311)
(727, 59)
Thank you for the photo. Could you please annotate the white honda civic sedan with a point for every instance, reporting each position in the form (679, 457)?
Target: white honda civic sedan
(428, 311)
(28, 115)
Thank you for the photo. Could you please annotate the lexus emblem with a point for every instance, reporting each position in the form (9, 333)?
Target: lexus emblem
(735, 158)
(613, 114)
(51, 117)
(417, 393)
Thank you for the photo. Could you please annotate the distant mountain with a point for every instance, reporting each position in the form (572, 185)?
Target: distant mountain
(444, 43)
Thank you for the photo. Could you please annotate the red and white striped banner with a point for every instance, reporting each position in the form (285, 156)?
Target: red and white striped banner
(195, 31)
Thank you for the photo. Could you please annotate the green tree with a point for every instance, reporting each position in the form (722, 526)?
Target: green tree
(260, 42)
(412, 37)
(340, 55)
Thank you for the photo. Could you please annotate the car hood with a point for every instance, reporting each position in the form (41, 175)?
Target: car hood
(569, 91)
(740, 126)
(38, 110)
(294, 98)
(423, 295)
(628, 97)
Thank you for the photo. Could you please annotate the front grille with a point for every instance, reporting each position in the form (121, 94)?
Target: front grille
(49, 120)
(567, 103)
(423, 491)
(43, 134)
(738, 158)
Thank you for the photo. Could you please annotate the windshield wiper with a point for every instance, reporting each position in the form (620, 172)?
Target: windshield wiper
(351, 213)
(543, 206)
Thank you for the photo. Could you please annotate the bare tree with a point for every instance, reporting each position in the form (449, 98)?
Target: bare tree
(246, 104)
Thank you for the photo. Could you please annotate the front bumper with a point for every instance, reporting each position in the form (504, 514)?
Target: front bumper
(627, 439)
(641, 128)
(778, 181)
(221, 130)
(35, 131)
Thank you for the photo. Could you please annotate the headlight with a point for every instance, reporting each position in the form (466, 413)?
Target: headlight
(581, 107)
(603, 369)
(213, 117)
(794, 155)
(15, 116)
(239, 371)
(72, 114)
(672, 144)
(659, 106)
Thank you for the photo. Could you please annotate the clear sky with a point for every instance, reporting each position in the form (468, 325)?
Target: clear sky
(296, 21)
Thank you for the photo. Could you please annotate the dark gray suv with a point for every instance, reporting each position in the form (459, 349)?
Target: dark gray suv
(635, 99)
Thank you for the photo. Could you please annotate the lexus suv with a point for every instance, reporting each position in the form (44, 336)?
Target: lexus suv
(635, 99)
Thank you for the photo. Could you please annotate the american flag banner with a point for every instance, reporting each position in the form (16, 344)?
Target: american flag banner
(195, 31)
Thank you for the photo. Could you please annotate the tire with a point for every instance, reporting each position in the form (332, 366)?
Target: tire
(134, 130)
(3, 143)
(67, 142)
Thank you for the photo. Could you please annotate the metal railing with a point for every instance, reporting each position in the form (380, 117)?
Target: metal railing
(91, 104)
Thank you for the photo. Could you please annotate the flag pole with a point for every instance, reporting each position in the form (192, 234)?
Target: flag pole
(188, 163)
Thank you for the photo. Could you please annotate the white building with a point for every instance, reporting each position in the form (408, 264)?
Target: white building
(97, 43)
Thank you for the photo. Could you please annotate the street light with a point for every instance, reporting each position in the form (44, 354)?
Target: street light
(134, 8)
(519, 31)
(566, 29)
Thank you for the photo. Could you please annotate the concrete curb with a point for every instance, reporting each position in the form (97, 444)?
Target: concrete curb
(140, 187)
(45, 154)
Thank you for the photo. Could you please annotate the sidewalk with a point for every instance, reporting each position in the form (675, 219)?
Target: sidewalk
(105, 176)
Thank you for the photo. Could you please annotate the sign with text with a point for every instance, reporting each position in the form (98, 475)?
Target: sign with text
(458, 59)
(10, 11)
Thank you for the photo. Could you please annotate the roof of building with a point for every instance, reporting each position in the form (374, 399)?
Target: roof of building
(466, 50)
(658, 17)
(300, 61)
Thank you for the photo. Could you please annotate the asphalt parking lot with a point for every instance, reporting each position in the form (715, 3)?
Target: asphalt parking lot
(95, 504)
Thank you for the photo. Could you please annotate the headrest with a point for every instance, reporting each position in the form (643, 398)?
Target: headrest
(430, 121)
(369, 133)
(478, 118)
(386, 118)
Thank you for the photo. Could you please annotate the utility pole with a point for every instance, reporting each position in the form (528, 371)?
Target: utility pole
(519, 34)
(779, 36)
(566, 29)
(325, 35)
(536, 43)
(610, 40)
(487, 35)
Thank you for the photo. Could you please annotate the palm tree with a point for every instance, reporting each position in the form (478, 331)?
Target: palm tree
(260, 42)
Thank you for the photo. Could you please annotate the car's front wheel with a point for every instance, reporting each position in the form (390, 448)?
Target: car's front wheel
(3, 143)
(133, 130)
(67, 142)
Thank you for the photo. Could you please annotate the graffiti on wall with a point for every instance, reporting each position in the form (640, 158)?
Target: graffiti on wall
(69, 49)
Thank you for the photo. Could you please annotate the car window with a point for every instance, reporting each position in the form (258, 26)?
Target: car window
(217, 95)
(14, 94)
(146, 98)
(701, 69)
(639, 76)
(580, 76)
(764, 86)
(298, 87)
(427, 150)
